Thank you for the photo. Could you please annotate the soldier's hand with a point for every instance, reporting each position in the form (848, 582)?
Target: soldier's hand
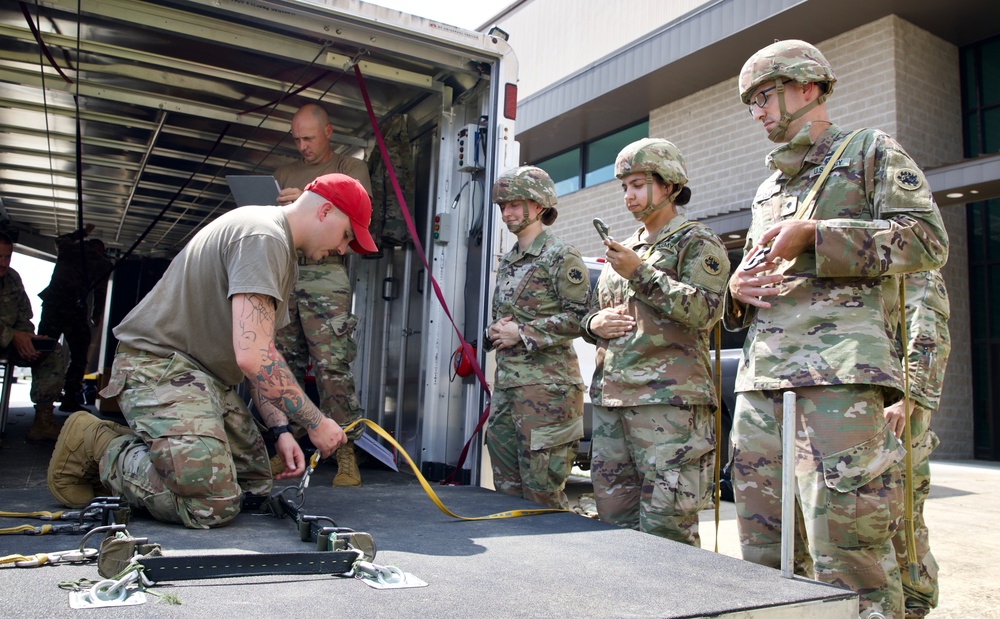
(610, 323)
(290, 452)
(788, 239)
(750, 286)
(622, 259)
(288, 195)
(895, 417)
(24, 346)
(505, 333)
(327, 437)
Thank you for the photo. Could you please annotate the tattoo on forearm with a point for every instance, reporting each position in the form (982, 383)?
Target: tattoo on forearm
(277, 388)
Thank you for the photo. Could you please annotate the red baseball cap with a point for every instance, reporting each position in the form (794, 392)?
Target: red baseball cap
(351, 199)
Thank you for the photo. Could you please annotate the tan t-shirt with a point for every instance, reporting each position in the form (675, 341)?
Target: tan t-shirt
(299, 174)
(246, 251)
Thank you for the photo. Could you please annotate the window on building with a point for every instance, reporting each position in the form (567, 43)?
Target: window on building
(984, 305)
(981, 97)
(592, 162)
(980, 64)
(564, 170)
(602, 152)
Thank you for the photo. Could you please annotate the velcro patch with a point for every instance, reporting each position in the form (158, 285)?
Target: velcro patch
(711, 265)
(908, 179)
(575, 275)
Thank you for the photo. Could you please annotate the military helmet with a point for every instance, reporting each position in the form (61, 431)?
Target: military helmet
(652, 155)
(525, 183)
(791, 59)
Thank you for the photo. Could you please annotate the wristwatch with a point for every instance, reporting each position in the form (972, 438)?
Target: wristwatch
(277, 431)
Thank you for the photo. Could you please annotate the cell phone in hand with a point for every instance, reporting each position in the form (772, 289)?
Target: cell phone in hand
(758, 257)
(602, 229)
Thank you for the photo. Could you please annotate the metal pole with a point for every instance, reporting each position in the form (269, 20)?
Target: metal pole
(788, 485)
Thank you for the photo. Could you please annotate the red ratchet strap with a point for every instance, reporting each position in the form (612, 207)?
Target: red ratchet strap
(467, 349)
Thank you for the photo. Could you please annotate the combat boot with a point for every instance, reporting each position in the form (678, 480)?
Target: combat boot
(347, 467)
(44, 428)
(73, 402)
(73, 469)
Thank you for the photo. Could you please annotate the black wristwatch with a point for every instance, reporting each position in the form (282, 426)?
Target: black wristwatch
(277, 431)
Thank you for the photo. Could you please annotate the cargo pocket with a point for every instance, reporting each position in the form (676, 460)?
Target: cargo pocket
(556, 434)
(866, 491)
(552, 448)
(683, 487)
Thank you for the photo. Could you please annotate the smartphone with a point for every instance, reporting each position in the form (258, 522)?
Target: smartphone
(757, 257)
(602, 229)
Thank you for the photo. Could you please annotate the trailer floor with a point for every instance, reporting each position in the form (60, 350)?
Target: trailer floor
(557, 565)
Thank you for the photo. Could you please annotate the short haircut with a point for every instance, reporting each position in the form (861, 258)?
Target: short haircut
(5, 239)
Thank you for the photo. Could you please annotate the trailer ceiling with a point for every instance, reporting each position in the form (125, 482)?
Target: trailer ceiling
(171, 96)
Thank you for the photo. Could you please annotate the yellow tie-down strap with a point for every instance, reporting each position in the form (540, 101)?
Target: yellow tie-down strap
(516, 513)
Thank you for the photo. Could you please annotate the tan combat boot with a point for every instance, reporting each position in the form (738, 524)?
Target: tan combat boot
(44, 428)
(73, 469)
(347, 467)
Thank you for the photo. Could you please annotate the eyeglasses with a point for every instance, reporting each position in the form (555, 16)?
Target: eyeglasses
(760, 99)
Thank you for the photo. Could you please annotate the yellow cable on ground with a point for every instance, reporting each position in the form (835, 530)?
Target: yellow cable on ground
(38, 559)
(517, 513)
(26, 528)
(41, 514)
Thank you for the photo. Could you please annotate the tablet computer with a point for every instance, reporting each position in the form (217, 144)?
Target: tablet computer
(253, 189)
(43, 344)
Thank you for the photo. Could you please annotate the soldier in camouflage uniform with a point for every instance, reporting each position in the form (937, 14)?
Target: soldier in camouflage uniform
(322, 325)
(16, 332)
(542, 292)
(206, 325)
(927, 347)
(655, 304)
(71, 305)
(817, 288)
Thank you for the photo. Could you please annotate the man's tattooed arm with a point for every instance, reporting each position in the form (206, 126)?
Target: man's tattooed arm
(276, 393)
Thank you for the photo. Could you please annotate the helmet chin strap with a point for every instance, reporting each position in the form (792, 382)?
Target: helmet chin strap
(650, 207)
(778, 133)
(526, 221)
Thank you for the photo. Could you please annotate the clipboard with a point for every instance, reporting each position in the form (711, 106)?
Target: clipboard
(256, 189)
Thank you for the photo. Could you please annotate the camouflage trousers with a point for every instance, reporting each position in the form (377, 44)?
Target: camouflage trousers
(322, 329)
(922, 595)
(47, 373)
(533, 434)
(197, 448)
(653, 468)
(59, 319)
(849, 488)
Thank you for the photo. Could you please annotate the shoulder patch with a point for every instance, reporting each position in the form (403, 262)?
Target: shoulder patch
(908, 179)
(711, 265)
(575, 275)
(941, 290)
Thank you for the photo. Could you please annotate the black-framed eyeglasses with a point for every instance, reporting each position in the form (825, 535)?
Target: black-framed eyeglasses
(760, 99)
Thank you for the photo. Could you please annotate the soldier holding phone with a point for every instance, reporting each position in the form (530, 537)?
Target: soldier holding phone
(654, 306)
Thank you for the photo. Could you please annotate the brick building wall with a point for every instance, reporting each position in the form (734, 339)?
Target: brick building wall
(891, 75)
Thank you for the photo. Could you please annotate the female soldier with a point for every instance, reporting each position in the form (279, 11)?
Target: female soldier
(655, 303)
(542, 292)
